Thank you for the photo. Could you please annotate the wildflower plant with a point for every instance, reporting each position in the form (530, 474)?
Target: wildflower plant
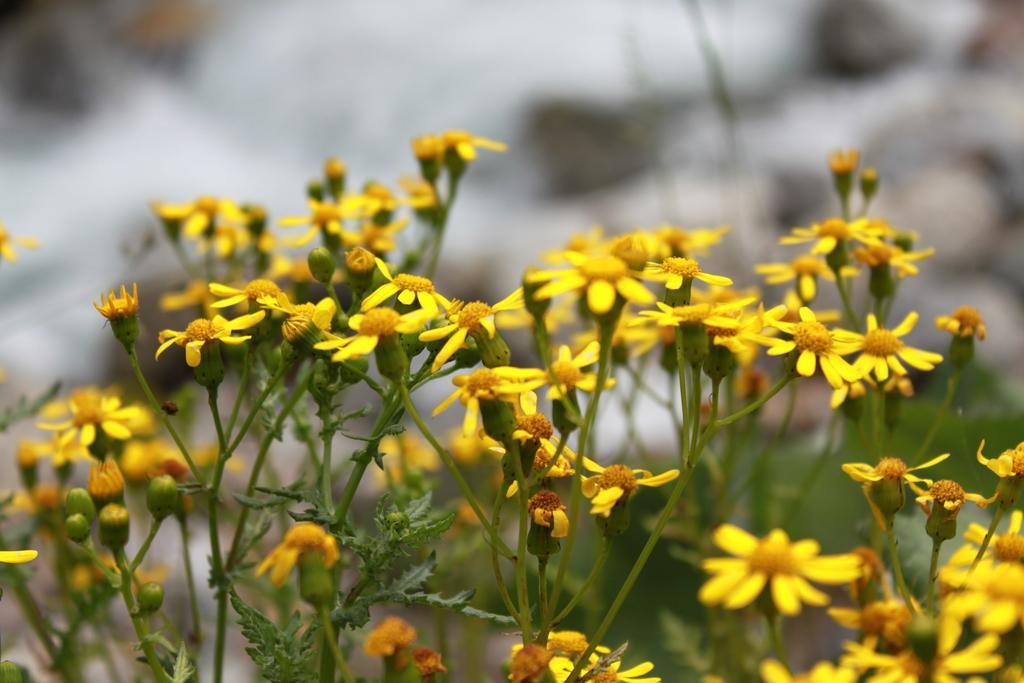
(509, 522)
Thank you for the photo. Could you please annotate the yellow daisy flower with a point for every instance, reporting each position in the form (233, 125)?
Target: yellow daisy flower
(851, 390)
(993, 596)
(202, 215)
(252, 292)
(377, 238)
(370, 326)
(409, 288)
(92, 410)
(304, 537)
(489, 384)
(947, 666)
(843, 161)
(7, 242)
(202, 331)
(196, 294)
(823, 672)
(615, 483)
(818, 346)
(965, 321)
(115, 307)
(882, 349)
(17, 556)
(686, 243)
(589, 242)
(876, 254)
(884, 619)
(602, 277)
(546, 509)
(674, 271)
(1009, 463)
(476, 318)
(326, 217)
(305, 319)
(890, 468)
(464, 144)
(804, 269)
(404, 454)
(773, 563)
(951, 496)
(389, 636)
(420, 194)
(1004, 547)
(533, 427)
(718, 316)
(568, 370)
(831, 232)
(561, 667)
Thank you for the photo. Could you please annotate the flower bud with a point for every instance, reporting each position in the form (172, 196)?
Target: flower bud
(114, 526)
(868, 183)
(315, 190)
(79, 502)
(106, 484)
(887, 495)
(720, 363)
(961, 350)
(335, 172)
(210, 371)
(392, 362)
(881, 283)
(360, 265)
(316, 584)
(162, 496)
(499, 419)
(321, 265)
(78, 527)
(695, 343)
(10, 673)
(923, 637)
(536, 307)
(428, 150)
(617, 520)
(561, 418)
(151, 597)
(494, 351)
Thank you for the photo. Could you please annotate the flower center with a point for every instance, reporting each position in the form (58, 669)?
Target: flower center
(545, 500)
(537, 425)
(1018, 461)
(472, 313)
(891, 468)
(773, 556)
(806, 265)
(694, 313)
(723, 331)
(947, 491)
(528, 664)
(834, 227)
(604, 268)
(618, 475)
(1009, 548)
(812, 336)
(568, 642)
(200, 329)
(482, 383)
(967, 316)
(684, 267)
(881, 342)
(261, 288)
(207, 205)
(567, 373)
(874, 254)
(379, 322)
(87, 413)
(324, 214)
(605, 677)
(413, 283)
(305, 536)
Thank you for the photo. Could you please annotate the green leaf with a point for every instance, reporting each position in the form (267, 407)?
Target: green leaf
(26, 408)
(184, 671)
(281, 655)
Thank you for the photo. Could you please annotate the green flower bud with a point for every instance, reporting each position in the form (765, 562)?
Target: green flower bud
(923, 637)
(162, 496)
(536, 307)
(315, 190)
(79, 502)
(720, 363)
(680, 296)
(151, 597)
(868, 183)
(391, 359)
(321, 265)
(10, 673)
(695, 342)
(78, 527)
(961, 350)
(888, 496)
(210, 371)
(115, 526)
(881, 284)
(617, 520)
(346, 370)
(561, 418)
(499, 419)
(494, 351)
(316, 584)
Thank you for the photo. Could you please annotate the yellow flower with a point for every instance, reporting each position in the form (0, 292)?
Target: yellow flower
(529, 663)
(818, 346)
(616, 483)
(43, 497)
(388, 637)
(62, 448)
(7, 240)
(201, 216)
(993, 596)
(326, 217)
(409, 288)
(92, 409)
(420, 194)
(304, 537)
(427, 662)
(774, 562)
(1005, 547)
(106, 483)
(904, 666)
(674, 271)
(465, 144)
(965, 321)
(305, 319)
(951, 496)
(683, 242)
(719, 317)
(114, 307)
(475, 318)
(570, 643)
(882, 349)
(852, 390)
(370, 327)
(467, 449)
(379, 239)
(568, 371)
(252, 292)
(602, 277)
(589, 242)
(877, 254)
(805, 269)
(833, 231)
(546, 509)
(823, 672)
(489, 384)
(202, 331)
(843, 162)
(17, 556)
(561, 667)
(1009, 463)
(141, 458)
(890, 468)
(403, 454)
(195, 295)
(885, 619)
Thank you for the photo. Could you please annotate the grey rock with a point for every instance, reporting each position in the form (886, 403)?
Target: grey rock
(861, 37)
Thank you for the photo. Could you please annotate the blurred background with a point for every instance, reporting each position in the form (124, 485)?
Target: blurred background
(621, 114)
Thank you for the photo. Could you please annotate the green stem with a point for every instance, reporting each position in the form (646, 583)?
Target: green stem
(154, 527)
(277, 376)
(542, 597)
(460, 480)
(844, 296)
(331, 641)
(218, 576)
(996, 518)
(778, 645)
(138, 622)
(327, 436)
(897, 568)
(154, 405)
(951, 385)
(499, 578)
(243, 384)
(813, 472)
(595, 571)
(193, 599)
(521, 555)
(933, 574)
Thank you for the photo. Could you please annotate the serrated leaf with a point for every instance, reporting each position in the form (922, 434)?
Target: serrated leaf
(414, 577)
(254, 503)
(26, 407)
(184, 671)
(281, 655)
